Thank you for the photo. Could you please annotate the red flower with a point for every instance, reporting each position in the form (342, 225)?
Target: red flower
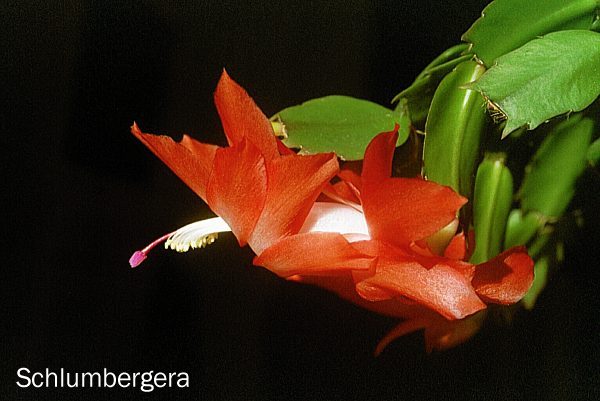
(380, 243)
(407, 279)
(261, 194)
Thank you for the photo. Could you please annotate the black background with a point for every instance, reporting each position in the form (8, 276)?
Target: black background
(81, 194)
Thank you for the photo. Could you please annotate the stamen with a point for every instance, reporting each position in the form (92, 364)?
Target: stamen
(196, 235)
(192, 236)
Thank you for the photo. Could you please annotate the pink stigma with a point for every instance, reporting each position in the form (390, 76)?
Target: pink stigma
(139, 256)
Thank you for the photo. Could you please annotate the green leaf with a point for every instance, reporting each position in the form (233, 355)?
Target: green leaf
(339, 124)
(549, 182)
(593, 154)
(508, 24)
(555, 74)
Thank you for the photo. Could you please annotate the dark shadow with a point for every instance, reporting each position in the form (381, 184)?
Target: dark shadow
(121, 77)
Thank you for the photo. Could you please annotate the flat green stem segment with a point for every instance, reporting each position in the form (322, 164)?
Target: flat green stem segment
(596, 23)
(339, 124)
(549, 182)
(455, 124)
(420, 93)
(521, 228)
(417, 97)
(447, 55)
(546, 252)
(549, 76)
(593, 154)
(542, 265)
(491, 207)
(508, 24)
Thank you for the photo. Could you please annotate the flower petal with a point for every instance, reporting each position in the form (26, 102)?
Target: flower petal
(352, 179)
(406, 327)
(241, 118)
(237, 187)
(377, 165)
(506, 278)
(427, 259)
(457, 248)
(343, 285)
(441, 334)
(296, 255)
(441, 288)
(342, 192)
(402, 210)
(294, 182)
(190, 160)
(284, 150)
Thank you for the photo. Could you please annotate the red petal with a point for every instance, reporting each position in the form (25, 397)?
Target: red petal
(241, 118)
(440, 288)
(427, 259)
(294, 182)
(296, 255)
(190, 160)
(457, 247)
(406, 327)
(351, 178)
(441, 334)
(506, 278)
(284, 150)
(343, 285)
(237, 187)
(197, 148)
(377, 164)
(373, 292)
(402, 210)
(343, 193)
